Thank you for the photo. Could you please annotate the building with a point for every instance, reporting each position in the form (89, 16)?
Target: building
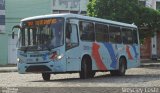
(70, 6)
(150, 49)
(3, 34)
(11, 12)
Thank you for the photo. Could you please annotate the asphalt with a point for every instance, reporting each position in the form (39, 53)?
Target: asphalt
(145, 63)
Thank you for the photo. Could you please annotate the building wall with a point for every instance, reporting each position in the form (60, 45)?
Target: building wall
(3, 34)
(146, 48)
(158, 44)
(70, 6)
(3, 49)
(17, 10)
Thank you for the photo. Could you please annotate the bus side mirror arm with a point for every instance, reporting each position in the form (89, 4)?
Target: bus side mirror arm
(16, 26)
(13, 35)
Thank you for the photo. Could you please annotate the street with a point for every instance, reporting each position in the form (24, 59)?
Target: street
(135, 77)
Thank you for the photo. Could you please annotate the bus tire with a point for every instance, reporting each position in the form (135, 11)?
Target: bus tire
(86, 69)
(92, 74)
(122, 68)
(46, 76)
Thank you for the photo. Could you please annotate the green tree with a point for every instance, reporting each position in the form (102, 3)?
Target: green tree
(128, 11)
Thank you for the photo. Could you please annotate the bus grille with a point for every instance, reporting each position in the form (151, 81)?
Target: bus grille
(39, 68)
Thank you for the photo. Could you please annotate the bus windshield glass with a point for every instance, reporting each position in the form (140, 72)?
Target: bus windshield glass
(41, 34)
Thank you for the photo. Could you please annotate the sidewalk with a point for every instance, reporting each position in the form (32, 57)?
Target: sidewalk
(144, 63)
(150, 63)
(8, 68)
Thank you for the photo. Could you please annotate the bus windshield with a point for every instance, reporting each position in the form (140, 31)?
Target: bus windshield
(41, 34)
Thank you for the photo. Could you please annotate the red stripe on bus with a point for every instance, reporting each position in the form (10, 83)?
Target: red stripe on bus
(129, 53)
(97, 57)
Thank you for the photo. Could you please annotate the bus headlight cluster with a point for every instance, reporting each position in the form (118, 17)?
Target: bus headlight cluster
(59, 57)
(56, 56)
(18, 60)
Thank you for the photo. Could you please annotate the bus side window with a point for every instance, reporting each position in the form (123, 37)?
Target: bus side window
(127, 36)
(135, 37)
(101, 32)
(71, 35)
(86, 31)
(115, 34)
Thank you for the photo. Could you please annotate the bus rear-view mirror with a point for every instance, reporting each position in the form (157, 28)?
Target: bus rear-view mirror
(16, 26)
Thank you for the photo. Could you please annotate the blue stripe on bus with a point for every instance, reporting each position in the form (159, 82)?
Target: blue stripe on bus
(2, 19)
(112, 54)
(135, 52)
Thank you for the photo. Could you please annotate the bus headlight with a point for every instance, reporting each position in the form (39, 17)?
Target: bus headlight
(59, 57)
(55, 56)
(18, 60)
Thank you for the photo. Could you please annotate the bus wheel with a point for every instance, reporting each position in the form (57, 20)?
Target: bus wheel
(86, 69)
(46, 76)
(122, 68)
(84, 72)
(92, 74)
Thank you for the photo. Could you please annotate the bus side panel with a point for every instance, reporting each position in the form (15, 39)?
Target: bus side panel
(87, 49)
(114, 52)
(73, 59)
(105, 56)
(133, 56)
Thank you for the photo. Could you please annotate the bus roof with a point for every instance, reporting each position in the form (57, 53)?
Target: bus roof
(69, 15)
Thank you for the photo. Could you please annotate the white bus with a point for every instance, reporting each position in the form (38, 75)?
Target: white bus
(71, 43)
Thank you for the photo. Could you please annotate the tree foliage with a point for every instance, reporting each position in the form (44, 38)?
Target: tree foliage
(128, 11)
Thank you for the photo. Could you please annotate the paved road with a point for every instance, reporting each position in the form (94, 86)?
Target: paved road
(135, 77)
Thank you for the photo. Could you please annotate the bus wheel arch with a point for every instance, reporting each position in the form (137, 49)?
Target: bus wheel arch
(125, 61)
(86, 67)
(122, 67)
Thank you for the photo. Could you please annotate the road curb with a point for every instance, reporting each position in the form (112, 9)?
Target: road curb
(150, 65)
(8, 69)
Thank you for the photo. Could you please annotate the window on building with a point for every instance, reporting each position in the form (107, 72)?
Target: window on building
(115, 34)
(74, 12)
(101, 33)
(86, 31)
(158, 6)
(55, 11)
(142, 3)
(63, 11)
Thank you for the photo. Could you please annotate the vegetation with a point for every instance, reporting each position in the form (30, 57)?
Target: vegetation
(128, 11)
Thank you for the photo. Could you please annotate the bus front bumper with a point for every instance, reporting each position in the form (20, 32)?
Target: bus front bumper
(48, 67)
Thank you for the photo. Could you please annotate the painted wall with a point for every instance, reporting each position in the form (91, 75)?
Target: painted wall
(17, 10)
(3, 34)
(146, 48)
(3, 49)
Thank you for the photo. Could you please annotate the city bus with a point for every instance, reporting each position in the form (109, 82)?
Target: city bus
(72, 43)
